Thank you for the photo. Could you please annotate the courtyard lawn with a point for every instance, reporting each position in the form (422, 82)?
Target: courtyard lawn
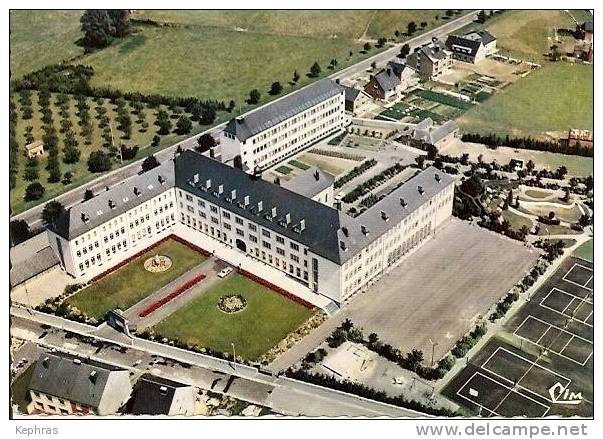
(585, 251)
(132, 283)
(517, 221)
(555, 230)
(554, 98)
(266, 320)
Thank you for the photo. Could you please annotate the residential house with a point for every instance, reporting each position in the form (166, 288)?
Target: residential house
(472, 47)
(155, 395)
(63, 384)
(431, 60)
(436, 135)
(355, 99)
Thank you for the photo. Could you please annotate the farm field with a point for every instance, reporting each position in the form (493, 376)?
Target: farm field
(42, 38)
(576, 165)
(132, 282)
(552, 99)
(267, 318)
(333, 24)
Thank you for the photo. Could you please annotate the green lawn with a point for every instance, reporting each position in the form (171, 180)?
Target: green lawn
(537, 194)
(267, 319)
(555, 98)
(285, 170)
(299, 164)
(132, 283)
(555, 230)
(517, 221)
(585, 251)
(42, 37)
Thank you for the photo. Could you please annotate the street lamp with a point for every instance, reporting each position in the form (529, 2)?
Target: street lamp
(234, 354)
(433, 345)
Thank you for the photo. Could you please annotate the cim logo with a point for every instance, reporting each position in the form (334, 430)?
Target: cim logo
(562, 395)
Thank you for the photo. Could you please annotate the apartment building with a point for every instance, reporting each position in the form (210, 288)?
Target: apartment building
(472, 47)
(268, 135)
(63, 384)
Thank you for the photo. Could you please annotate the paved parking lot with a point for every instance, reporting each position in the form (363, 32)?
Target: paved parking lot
(441, 290)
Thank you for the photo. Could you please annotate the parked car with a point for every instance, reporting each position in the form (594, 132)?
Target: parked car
(225, 272)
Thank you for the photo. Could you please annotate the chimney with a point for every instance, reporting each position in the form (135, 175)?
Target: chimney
(345, 231)
(45, 361)
(403, 202)
(246, 200)
(233, 194)
(136, 191)
(316, 175)
(337, 81)
(437, 178)
(84, 217)
(364, 230)
(260, 206)
(93, 376)
(420, 189)
(384, 216)
(389, 72)
(163, 390)
(196, 178)
(160, 179)
(111, 204)
(343, 246)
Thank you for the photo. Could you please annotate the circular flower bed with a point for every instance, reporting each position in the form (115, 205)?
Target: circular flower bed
(232, 303)
(157, 264)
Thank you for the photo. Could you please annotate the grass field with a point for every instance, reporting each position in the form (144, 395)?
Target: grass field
(333, 24)
(132, 283)
(537, 194)
(570, 214)
(42, 38)
(585, 251)
(267, 319)
(517, 221)
(555, 98)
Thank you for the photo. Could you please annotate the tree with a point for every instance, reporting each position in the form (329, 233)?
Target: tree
(449, 13)
(530, 166)
(551, 215)
(414, 359)
(420, 161)
(411, 28)
(164, 122)
(295, 76)
(19, 231)
(481, 16)
(67, 177)
(423, 24)
(120, 18)
(184, 125)
(149, 163)
(254, 96)
(367, 47)
(97, 27)
(205, 142)
(510, 198)
(347, 324)
(208, 115)
(555, 53)
(99, 162)
(52, 211)
(374, 65)
(88, 195)
(566, 195)
(373, 338)
(381, 42)
(276, 88)
(404, 51)
(156, 140)
(34, 191)
(333, 63)
(315, 70)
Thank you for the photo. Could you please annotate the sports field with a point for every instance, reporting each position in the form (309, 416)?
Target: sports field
(132, 283)
(554, 98)
(267, 319)
(585, 251)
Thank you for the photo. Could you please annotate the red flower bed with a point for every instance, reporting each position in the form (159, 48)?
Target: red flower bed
(151, 247)
(275, 288)
(181, 289)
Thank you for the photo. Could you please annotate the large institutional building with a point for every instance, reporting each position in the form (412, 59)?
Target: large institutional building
(293, 230)
(272, 133)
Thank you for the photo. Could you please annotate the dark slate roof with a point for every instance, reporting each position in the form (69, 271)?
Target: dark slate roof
(328, 232)
(310, 182)
(71, 224)
(272, 114)
(487, 37)
(60, 375)
(435, 50)
(37, 263)
(321, 222)
(351, 93)
(454, 43)
(153, 395)
(387, 80)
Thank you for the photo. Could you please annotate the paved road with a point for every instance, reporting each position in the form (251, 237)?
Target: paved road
(281, 394)
(68, 199)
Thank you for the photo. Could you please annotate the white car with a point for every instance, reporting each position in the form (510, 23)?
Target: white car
(225, 272)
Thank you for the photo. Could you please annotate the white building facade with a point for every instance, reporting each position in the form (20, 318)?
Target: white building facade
(269, 135)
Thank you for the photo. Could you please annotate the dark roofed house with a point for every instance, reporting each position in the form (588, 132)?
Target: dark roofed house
(64, 384)
(313, 183)
(391, 82)
(585, 31)
(472, 47)
(155, 395)
(431, 60)
(355, 99)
